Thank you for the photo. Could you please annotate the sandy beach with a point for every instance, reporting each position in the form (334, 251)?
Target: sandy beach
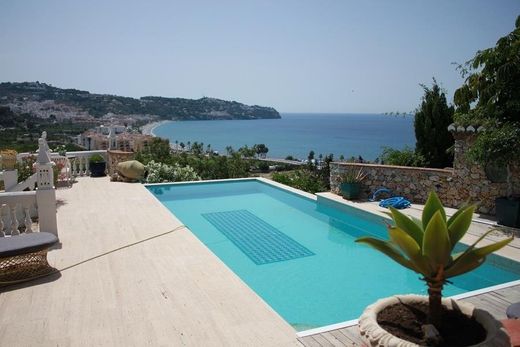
(147, 129)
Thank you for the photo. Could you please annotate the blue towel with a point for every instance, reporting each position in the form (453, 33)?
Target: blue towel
(397, 202)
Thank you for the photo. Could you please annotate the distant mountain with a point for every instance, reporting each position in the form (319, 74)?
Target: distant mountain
(98, 105)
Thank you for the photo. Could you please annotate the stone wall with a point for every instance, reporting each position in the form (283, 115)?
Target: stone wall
(466, 181)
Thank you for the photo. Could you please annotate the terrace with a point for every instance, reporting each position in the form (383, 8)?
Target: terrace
(131, 274)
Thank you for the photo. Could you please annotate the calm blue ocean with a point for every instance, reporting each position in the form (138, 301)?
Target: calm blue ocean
(296, 134)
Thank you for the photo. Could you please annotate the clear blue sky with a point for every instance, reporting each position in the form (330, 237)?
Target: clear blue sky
(298, 56)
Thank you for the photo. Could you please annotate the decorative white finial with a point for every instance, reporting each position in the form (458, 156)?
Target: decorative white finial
(43, 155)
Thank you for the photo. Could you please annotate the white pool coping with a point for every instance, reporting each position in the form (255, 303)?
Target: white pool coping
(325, 196)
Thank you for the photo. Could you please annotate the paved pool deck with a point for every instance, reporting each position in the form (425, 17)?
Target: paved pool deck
(132, 275)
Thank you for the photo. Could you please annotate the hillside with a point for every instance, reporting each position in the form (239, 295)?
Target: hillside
(41, 95)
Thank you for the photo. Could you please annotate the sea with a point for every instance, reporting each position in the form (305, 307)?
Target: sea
(296, 134)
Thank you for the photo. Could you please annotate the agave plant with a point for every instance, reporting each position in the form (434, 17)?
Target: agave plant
(426, 247)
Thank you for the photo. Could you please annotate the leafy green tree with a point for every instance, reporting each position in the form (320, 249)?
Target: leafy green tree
(158, 150)
(247, 152)
(490, 97)
(432, 119)
(261, 150)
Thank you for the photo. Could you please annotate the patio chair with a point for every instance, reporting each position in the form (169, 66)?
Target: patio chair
(24, 256)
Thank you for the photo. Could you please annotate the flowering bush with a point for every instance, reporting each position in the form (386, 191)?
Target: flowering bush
(26, 167)
(61, 150)
(158, 173)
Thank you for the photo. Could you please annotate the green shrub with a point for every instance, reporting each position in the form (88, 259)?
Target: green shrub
(263, 166)
(404, 157)
(96, 158)
(158, 173)
(302, 179)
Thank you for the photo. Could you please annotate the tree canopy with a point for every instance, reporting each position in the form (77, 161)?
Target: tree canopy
(490, 97)
(432, 119)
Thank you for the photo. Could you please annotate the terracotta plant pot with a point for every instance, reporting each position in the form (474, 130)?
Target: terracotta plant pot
(374, 335)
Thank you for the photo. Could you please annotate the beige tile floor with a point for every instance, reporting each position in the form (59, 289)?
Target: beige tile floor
(163, 289)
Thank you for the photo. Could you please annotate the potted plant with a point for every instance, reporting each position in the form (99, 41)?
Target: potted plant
(425, 246)
(97, 165)
(351, 183)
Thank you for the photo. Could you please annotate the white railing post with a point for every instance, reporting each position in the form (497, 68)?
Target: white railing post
(46, 194)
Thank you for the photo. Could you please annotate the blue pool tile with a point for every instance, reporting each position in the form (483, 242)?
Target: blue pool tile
(257, 239)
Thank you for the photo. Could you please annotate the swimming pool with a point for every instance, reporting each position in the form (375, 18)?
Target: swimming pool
(299, 254)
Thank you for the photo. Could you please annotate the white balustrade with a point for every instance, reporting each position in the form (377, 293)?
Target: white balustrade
(80, 161)
(16, 207)
(29, 183)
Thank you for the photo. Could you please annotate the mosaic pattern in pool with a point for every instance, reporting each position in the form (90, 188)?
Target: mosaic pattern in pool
(257, 239)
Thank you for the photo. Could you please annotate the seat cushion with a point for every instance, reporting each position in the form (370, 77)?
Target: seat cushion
(513, 311)
(26, 243)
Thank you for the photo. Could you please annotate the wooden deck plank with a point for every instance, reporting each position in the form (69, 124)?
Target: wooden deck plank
(343, 338)
(353, 334)
(309, 341)
(510, 294)
(322, 340)
(333, 339)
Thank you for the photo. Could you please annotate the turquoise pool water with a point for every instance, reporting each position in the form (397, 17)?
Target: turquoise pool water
(299, 255)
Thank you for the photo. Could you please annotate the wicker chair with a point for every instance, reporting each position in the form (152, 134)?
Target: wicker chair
(24, 256)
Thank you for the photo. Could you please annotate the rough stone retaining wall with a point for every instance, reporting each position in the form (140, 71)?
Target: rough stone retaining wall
(465, 181)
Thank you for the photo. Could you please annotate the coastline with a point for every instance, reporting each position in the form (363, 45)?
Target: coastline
(148, 129)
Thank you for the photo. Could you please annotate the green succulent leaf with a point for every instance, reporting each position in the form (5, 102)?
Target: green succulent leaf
(469, 260)
(486, 250)
(388, 249)
(459, 211)
(407, 225)
(411, 249)
(459, 225)
(463, 265)
(433, 204)
(418, 222)
(436, 243)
